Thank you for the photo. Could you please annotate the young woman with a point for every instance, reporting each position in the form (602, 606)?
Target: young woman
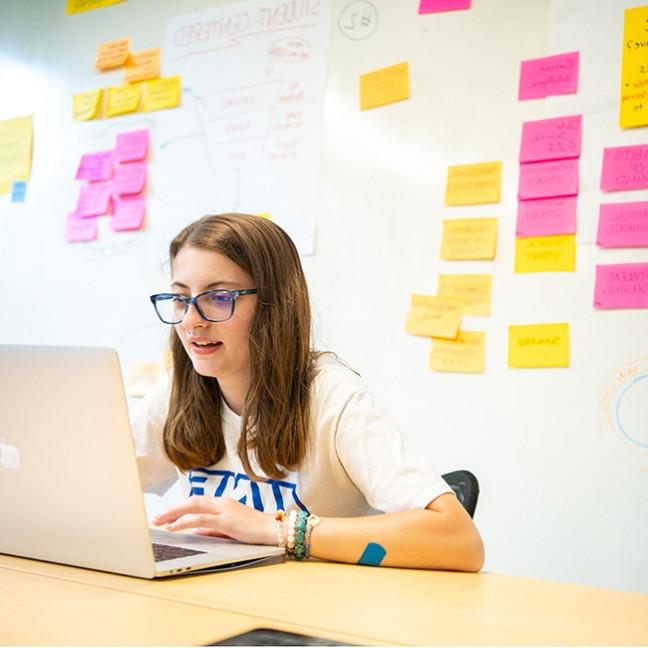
(256, 423)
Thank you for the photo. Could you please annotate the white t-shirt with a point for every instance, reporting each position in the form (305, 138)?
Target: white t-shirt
(358, 462)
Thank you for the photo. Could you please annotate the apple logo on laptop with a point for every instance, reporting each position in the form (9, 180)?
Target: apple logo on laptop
(9, 456)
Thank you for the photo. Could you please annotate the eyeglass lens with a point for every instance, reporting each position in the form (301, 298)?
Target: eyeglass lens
(216, 305)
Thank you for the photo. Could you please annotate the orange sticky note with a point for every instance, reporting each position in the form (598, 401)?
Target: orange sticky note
(473, 291)
(433, 316)
(143, 65)
(473, 184)
(465, 354)
(112, 54)
(469, 238)
(384, 86)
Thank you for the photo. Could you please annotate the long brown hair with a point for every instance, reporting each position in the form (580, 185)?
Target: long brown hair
(275, 415)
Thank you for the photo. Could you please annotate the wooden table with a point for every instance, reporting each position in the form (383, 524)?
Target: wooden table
(48, 603)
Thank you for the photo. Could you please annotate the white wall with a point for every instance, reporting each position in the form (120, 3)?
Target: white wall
(561, 497)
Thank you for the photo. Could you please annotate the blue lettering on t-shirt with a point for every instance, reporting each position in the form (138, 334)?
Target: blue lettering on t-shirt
(226, 483)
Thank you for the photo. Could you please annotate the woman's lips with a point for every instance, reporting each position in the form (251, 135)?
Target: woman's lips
(206, 348)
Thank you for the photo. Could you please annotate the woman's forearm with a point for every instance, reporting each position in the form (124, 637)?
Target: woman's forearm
(441, 536)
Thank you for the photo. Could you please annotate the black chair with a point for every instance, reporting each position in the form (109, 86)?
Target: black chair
(466, 488)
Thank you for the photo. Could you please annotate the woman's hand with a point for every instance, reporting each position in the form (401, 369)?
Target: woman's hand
(222, 517)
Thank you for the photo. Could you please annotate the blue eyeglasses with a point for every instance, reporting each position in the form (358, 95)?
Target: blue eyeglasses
(212, 305)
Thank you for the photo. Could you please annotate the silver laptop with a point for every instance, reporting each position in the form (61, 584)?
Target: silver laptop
(69, 486)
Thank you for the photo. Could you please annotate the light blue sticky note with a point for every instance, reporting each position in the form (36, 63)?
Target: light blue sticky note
(372, 555)
(18, 191)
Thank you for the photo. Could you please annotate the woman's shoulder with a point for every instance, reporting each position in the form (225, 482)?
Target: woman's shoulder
(335, 379)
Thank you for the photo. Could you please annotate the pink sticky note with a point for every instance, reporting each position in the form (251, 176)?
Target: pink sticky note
(622, 285)
(623, 225)
(94, 199)
(128, 214)
(79, 230)
(437, 6)
(551, 139)
(624, 168)
(130, 178)
(95, 166)
(546, 217)
(132, 146)
(548, 179)
(551, 75)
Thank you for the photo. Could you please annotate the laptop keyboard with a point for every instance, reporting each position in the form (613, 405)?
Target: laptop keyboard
(169, 552)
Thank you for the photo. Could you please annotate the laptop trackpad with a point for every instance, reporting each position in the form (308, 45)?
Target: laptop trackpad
(221, 546)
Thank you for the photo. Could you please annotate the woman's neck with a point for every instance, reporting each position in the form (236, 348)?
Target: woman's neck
(234, 392)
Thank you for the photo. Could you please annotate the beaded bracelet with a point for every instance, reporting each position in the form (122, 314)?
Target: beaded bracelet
(313, 521)
(290, 533)
(279, 524)
(300, 535)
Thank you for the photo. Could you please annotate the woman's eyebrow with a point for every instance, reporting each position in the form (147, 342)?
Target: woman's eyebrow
(214, 284)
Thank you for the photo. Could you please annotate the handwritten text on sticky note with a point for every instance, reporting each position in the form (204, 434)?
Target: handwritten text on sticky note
(433, 316)
(128, 214)
(130, 178)
(550, 75)
(94, 199)
(132, 146)
(163, 93)
(384, 86)
(85, 105)
(474, 184)
(143, 65)
(625, 168)
(623, 225)
(551, 139)
(465, 354)
(633, 108)
(80, 230)
(621, 285)
(539, 345)
(545, 254)
(546, 216)
(95, 166)
(15, 151)
(548, 179)
(469, 238)
(472, 290)
(112, 54)
(123, 99)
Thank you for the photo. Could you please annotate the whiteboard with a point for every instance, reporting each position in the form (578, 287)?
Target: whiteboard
(560, 453)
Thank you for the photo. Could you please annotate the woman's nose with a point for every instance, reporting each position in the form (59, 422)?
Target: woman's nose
(192, 318)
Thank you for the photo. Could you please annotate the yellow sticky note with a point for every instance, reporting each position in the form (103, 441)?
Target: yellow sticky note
(474, 184)
(143, 65)
(85, 105)
(545, 254)
(633, 108)
(123, 99)
(112, 54)
(465, 354)
(384, 86)
(472, 290)
(15, 151)
(433, 316)
(78, 6)
(267, 215)
(142, 377)
(469, 238)
(162, 93)
(539, 345)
